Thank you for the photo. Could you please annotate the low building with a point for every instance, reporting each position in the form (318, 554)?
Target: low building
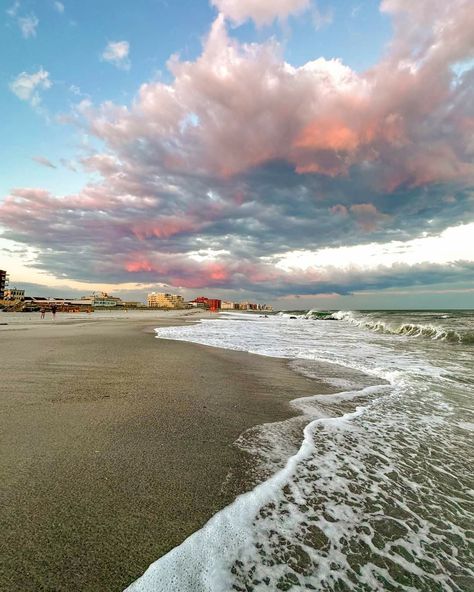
(227, 305)
(102, 300)
(82, 304)
(194, 304)
(14, 294)
(165, 300)
(253, 306)
(127, 304)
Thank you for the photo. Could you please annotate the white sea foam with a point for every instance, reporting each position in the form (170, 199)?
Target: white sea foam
(377, 496)
(204, 561)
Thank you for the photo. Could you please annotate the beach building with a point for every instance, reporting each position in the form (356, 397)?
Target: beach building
(246, 305)
(204, 302)
(3, 283)
(227, 305)
(165, 300)
(14, 294)
(77, 306)
(194, 304)
(212, 304)
(32, 303)
(130, 304)
(102, 300)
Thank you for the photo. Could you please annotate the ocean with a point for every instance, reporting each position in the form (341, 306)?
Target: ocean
(371, 487)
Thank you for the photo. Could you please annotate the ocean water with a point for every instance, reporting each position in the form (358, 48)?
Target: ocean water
(376, 492)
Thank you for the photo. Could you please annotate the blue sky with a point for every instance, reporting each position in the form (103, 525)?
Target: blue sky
(344, 160)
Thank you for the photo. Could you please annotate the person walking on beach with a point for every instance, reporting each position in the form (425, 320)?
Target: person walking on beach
(54, 309)
(43, 312)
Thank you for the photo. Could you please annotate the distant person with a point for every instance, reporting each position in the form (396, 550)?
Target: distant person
(43, 312)
(54, 310)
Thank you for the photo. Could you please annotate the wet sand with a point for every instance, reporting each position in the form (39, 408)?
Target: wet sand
(115, 446)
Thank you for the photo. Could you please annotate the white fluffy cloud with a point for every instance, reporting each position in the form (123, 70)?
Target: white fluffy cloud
(117, 53)
(262, 12)
(27, 86)
(322, 118)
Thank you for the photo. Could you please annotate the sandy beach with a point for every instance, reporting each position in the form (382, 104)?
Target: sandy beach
(115, 444)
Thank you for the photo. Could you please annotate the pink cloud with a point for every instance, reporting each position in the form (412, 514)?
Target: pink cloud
(163, 227)
(367, 216)
(181, 271)
(323, 118)
(188, 273)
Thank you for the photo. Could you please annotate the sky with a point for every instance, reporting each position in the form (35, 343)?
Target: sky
(303, 153)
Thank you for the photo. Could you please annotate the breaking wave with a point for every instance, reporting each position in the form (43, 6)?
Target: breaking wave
(410, 329)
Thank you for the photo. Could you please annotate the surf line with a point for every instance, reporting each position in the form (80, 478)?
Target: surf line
(203, 561)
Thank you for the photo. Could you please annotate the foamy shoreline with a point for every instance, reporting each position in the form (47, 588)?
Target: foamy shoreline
(366, 500)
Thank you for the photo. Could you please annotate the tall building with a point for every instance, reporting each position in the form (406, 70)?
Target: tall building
(164, 300)
(3, 283)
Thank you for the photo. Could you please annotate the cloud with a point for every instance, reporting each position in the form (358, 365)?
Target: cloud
(59, 7)
(117, 53)
(262, 12)
(42, 160)
(453, 244)
(13, 10)
(69, 164)
(27, 87)
(28, 25)
(322, 18)
(245, 157)
(322, 118)
(367, 216)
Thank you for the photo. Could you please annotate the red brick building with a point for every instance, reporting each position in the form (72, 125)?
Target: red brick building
(211, 303)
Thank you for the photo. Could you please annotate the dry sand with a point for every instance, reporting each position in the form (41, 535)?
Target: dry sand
(115, 445)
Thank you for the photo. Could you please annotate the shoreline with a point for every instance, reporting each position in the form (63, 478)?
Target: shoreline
(118, 445)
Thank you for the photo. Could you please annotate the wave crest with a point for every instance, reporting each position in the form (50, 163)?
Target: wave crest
(429, 331)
